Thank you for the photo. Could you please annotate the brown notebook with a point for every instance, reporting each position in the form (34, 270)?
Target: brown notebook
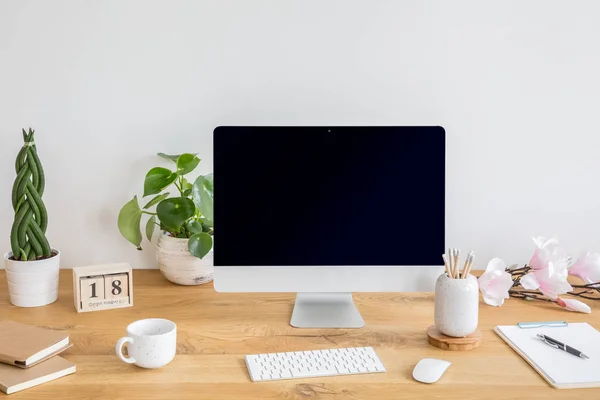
(15, 379)
(25, 345)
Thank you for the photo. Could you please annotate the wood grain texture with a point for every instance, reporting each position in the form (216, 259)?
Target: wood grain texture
(216, 330)
(441, 341)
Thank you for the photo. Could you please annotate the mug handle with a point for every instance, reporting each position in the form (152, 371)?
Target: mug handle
(120, 343)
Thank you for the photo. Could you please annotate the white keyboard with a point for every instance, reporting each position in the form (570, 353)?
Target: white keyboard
(312, 364)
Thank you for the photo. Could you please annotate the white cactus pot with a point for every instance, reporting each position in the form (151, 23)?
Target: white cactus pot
(32, 283)
(179, 266)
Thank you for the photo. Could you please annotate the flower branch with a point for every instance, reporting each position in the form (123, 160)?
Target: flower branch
(544, 278)
(582, 291)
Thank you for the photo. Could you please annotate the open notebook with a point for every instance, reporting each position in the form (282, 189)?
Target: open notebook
(561, 369)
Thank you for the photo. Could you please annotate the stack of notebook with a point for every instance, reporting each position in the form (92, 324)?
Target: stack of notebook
(29, 356)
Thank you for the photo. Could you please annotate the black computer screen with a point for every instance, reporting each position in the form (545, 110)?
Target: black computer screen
(288, 196)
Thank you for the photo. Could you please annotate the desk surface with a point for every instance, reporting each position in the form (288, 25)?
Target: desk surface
(216, 330)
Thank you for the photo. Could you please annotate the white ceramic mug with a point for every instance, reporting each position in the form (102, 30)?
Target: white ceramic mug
(151, 343)
(456, 305)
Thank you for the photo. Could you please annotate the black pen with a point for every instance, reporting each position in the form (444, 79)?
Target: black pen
(561, 346)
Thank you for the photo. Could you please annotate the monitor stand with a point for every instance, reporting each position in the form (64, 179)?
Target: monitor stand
(325, 310)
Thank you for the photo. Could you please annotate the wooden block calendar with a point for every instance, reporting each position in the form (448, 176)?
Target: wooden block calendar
(102, 287)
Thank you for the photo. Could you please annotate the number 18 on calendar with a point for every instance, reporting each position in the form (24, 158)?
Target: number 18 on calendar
(101, 287)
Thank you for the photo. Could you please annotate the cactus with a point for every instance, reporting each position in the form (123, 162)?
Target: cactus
(28, 234)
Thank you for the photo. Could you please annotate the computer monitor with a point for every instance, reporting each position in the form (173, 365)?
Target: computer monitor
(327, 211)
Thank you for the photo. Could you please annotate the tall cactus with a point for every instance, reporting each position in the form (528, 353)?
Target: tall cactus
(28, 234)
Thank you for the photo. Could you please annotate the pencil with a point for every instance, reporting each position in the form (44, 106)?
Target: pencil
(456, 265)
(470, 264)
(464, 274)
(446, 264)
(450, 259)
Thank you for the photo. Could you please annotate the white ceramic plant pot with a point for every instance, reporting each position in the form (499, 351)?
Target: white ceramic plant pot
(179, 266)
(456, 311)
(32, 283)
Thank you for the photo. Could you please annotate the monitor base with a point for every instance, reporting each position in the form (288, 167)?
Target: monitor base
(325, 310)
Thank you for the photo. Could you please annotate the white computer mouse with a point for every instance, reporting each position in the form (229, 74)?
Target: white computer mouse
(429, 370)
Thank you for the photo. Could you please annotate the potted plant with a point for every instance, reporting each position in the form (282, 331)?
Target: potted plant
(32, 267)
(184, 248)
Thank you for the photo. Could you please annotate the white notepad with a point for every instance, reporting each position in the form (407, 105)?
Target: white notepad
(561, 369)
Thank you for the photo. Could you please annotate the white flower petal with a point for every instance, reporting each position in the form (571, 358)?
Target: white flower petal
(538, 241)
(542, 241)
(493, 301)
(553, 287)
(498, 286)
(529, 282)
(587, 267)
(575, 305)
(496, 264)
(484, 280)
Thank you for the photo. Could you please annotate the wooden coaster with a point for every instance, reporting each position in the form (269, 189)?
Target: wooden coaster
(438, 339)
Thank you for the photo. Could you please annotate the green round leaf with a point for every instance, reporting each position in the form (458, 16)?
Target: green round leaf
(200, 244)
(207, 223)
(173, 157)
(150, 227)
(203, 195)
(175, 211)
(209, 183)
(169, 157)
(186, 184)
(156, 199)
(129, 220)
(194, 227)
(186, 163)
(158, 179)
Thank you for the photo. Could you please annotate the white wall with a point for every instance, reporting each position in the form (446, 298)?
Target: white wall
(107, 84)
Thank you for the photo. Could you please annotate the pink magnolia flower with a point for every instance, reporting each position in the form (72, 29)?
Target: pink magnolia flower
(551, 280)
(574, 305)
(548, 250)
(495, 282)
(587, 267)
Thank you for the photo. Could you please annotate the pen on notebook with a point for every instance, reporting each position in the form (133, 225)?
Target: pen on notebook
(561, 346)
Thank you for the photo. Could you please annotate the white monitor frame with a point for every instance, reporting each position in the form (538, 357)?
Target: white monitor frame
(324, 293)
(326, 279)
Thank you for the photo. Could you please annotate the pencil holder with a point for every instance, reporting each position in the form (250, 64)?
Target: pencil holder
(456, 305)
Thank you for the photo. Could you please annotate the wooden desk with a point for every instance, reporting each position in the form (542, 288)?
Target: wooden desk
(216, 330)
